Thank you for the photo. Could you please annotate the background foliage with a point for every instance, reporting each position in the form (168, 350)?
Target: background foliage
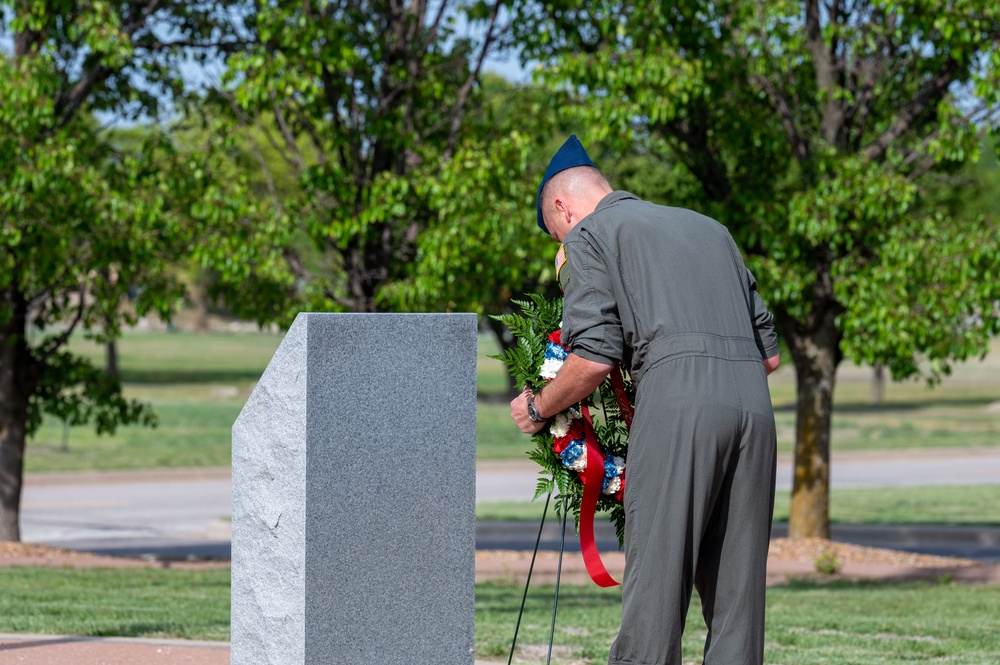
(354, 156)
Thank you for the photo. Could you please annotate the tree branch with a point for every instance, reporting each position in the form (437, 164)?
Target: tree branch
(297, 161)
(823, 64)
(49, 349)
(435, 26)
(800, 145)
(258, 155)
(68, 104)
(463, 92)
(930, 93)
(227, 46)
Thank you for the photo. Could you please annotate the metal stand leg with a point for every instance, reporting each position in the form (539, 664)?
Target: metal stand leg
(555, 602)
(531, 568)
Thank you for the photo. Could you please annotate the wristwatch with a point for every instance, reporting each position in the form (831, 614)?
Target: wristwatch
(533, 412)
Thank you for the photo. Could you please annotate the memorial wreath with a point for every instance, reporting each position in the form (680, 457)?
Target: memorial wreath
(561, 447)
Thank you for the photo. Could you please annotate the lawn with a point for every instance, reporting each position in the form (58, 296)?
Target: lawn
(121, 602)
(198, 383)
(808, 622)
(959, 505)
(962, 411)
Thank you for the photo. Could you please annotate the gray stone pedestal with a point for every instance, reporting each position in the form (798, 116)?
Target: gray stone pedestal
(354, 495)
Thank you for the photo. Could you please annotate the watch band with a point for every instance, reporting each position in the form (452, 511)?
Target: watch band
(533, 411)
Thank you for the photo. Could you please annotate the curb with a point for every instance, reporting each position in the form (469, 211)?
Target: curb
(143, 641)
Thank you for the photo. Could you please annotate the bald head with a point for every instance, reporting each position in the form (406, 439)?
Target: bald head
(571, 195)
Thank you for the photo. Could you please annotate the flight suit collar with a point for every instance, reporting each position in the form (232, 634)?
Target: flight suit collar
(609, 201)
(613, 198)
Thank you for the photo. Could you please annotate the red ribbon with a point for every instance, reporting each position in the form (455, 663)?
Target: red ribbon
(593, 479)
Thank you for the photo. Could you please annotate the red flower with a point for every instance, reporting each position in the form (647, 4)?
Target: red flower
(575, 432)
(555, 337)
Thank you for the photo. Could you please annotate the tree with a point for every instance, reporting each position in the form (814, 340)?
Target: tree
(482, 248)
(369, 102)
(821, 134)
(81, 222)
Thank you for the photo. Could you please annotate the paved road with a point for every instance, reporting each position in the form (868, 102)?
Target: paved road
(515, 481)
(172, 514)
(186, 513)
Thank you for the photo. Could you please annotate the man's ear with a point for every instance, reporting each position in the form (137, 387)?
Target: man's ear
(563, 213)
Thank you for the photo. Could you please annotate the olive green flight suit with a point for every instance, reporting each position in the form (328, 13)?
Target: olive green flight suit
(667, 290)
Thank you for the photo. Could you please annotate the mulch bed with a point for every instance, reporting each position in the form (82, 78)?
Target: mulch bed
(35, 554)
(810, 549)
(802, 556)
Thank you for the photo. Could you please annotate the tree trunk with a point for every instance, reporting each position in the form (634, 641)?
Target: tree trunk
(878, 384)
(198, 296)
(13, 417)
(816, 353)
(111, 359)
(18, 379)
(809, 515)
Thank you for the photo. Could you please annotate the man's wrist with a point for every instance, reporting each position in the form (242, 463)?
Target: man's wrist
(533, 413)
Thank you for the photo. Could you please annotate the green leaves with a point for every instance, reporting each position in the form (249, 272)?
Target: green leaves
(93, 223)
(539, 317)
(824, 137)
(481, 241)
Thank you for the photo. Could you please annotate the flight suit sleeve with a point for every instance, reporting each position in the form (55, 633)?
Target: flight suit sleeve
(592, 328)
(762, 320)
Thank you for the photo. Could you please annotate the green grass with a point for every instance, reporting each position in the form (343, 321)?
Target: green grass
(122, 602)
(838, 623)
(808, 623)
(188, 358)
(961, 505)
(953, 414)
(194, 430)
(497, 438)
(198, 383)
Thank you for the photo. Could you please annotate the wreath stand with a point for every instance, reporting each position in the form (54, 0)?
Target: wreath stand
(555, 601)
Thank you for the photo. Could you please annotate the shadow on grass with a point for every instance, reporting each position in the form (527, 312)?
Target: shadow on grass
(818, 582)
(205, 630)
(188, 376)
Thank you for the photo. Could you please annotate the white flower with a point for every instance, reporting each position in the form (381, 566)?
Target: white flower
(581, 462)
(550, 367)
(614, 485)
(619, 464)
(560, 425)
(574, 413)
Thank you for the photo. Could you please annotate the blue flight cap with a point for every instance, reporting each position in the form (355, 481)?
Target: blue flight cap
(569, 156)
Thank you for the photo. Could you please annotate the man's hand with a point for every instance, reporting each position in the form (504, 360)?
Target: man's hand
(519, 412)
(772, 364)
(576, 380)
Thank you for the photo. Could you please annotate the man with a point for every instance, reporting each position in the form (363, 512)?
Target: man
(667, 290)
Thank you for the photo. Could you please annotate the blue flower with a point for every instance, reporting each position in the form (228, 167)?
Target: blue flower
(610, 470)
(553, 350)
(571, 453)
